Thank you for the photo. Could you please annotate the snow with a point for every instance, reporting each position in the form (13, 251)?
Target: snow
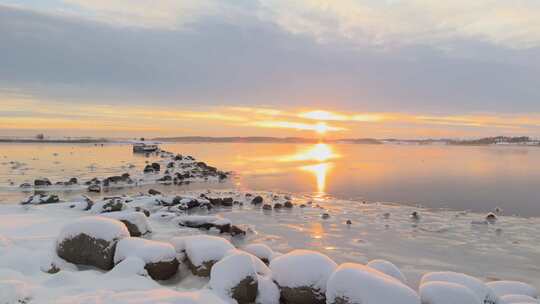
(230, 271)
(14, 292)
(518, 299)
(261, 251)
(158, 295)
(388, 268)
(260, 266)
(360, 284)
(95, 226)
(268, 292)
(202, 248)
(302, 268)
(136, 218)
(502, 288)
(447, 293)
(202, 219)
(482, 291)
(147, 250)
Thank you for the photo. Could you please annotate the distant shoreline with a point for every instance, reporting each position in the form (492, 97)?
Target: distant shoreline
(56, 141)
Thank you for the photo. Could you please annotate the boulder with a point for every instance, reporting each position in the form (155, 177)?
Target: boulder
(40, 199)
(235, 277)
(148, 169)
(42, 182)
(94, 188)
(263, 252)
(109, 205)
(257, 200)
(156, 167)
(301, 276)
(447, 293)
(90, 241)
(288, 204)
(502, 288)
(136, 222)
(357, 284)
(154, 192)
(482, 291)
(208, 222)
(387, 268)
(201, 251)
(159, 257)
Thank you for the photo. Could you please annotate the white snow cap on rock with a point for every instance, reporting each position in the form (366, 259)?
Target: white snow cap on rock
(502, 288)
(388, 268)
(260, 250)
(147, 250)
(230, 271)
(482, 291)
(268, 292)
(447, 293)
(152, 296)
(136, 218)
(518, 299)
(356, 283)
(302, 268)
(260, 266)
(95, 226)
(202, 248)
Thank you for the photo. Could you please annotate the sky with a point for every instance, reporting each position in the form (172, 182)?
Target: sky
(339, 69)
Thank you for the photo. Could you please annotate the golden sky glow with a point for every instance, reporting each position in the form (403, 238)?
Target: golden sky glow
(25, 116)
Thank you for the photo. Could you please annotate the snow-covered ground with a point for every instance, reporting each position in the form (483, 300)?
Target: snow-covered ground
(346, 231)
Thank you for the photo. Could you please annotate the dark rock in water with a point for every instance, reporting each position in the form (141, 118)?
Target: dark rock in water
(170, 165)
(25, 185)
(302, 295)
(303, 206)
(140, 209)
(222, 175)
(267, 207)
(235, 230)
(42, 182)
(94, 188)
(325, 216)
(73, 181)
(86, 250)
(288, 204)
(154, 192)
(178, 157)
(165, 178)
(257, 200)
(227, 202)
(415, 216)
(278, 206)
(148, 169)
(113, 205)
(162, 270)
(93, 181)
(348, 222)
(124, 178)
(156, 166)
(491, 218)
(40, 199)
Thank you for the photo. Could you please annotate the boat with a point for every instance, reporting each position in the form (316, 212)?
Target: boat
(145, 148)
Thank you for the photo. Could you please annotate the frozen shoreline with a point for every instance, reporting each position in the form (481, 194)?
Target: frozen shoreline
(437, 241)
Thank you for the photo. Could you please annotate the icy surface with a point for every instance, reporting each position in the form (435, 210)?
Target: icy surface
(94, 226)
(147, 250)
(302, 268)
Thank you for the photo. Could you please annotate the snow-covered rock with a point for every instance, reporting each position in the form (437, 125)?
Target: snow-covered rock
(482, 291)
(159, 257)
(235, 277)
(40, 199)
(208, 222)
(447, 293)
(261, 251)
(268, 292)
(202, 251)
(518, 299)
(358, 284)
(90, 241)
(302, 275)
(15, 292)
(388, 268)
(502, 288)
(136, 222)
(108, 205)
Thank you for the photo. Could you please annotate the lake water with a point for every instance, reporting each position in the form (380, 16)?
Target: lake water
(454, 177)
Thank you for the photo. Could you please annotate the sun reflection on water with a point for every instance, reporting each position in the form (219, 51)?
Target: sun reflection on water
(320, 171)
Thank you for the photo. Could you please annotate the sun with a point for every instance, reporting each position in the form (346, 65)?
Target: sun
(321, 128)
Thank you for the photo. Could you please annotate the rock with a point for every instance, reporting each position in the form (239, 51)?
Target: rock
(94, 188)
(235, 277)
(387, 268)
(263, 252)
(415, 216)
(267, 207)
(135, 222)
(40, 199)
(144, 211)
(210, 222)
(42, 182)
(109, 205)
(148, 169)
(491, 218)
(482, 291)
(155, 166)
(348, 222)
(325, 216)
(202, 252)
(170, 165)
(501, 288)
(159, 257)
(227, 202)
(25, 185)
(73, 181)
(257, 200)
(447, 293)
(90, 241)
(165, 178)
(124, 178)
(288, 204)
(355, 283)
(278, 206)
(178, 157)
(154, 192)
(301, 276)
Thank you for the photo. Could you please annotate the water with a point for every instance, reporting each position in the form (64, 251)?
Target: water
(454, 177)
